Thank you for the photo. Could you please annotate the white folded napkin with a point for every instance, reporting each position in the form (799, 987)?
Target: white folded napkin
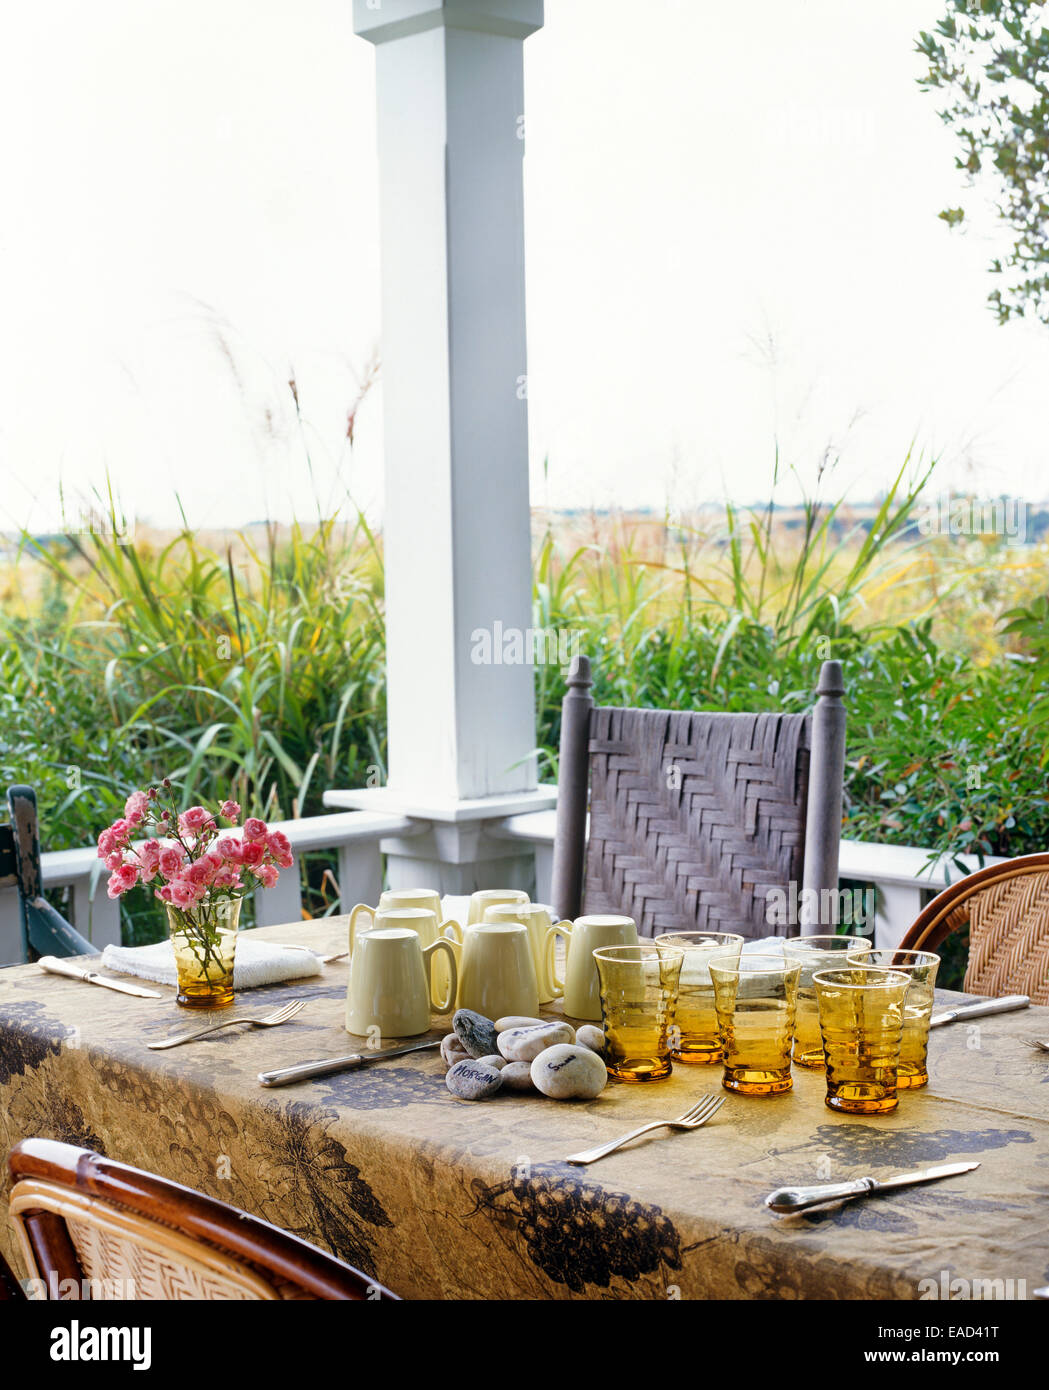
(256, 963)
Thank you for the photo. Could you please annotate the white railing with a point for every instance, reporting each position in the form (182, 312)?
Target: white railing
(354, 835)
(903, 876)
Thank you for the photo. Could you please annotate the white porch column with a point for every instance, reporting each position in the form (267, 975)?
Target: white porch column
(456, 527)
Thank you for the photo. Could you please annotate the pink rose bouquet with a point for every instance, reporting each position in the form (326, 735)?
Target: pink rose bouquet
(188, 858)
(197, 869)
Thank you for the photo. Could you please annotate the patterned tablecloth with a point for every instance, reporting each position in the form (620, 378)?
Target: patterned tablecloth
(440, 1198)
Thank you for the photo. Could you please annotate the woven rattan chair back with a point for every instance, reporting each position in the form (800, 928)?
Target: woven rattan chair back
(82, 1221)
(696, 818)
(1006, 908)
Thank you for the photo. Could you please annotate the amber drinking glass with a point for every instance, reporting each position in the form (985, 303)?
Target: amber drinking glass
(638, 996)
(755, 997)
(861, 1019)
(920, 969)
(816, 953)
(694, 1036)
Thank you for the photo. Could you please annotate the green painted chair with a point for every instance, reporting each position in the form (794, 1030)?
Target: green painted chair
(45, 932)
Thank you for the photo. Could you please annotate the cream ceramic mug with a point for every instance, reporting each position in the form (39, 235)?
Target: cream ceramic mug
(391, 981)
(584, 936)
(364, 917)
(429, 929)
(395, 897)
(535, 918)
(485, 898)
(497, 972)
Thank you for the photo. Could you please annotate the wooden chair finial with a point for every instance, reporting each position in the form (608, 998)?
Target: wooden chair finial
(579, 677)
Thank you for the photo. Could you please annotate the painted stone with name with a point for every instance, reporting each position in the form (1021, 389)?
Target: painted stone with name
(568, 1072)
(523, 1044)
(472, 1080)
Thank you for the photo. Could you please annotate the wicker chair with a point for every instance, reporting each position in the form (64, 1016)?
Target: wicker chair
(45, 932)
(132, 1235)
(1006, 908)
(695, 818)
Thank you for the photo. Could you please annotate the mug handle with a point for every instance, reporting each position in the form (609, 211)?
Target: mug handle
(555, 985)
(442, 943)
(354, 913)
(451, 930)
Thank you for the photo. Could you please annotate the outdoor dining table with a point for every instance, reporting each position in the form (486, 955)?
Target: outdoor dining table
(438, 1197)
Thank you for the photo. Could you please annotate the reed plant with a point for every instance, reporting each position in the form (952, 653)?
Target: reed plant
(252, 665)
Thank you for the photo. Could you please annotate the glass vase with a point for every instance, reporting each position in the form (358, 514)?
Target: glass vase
(204, 938)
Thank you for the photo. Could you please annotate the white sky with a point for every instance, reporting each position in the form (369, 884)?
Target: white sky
(701, 178)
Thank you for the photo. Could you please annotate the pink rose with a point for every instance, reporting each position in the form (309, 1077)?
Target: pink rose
(149, 852)
(228, 848)
(121, 880)
(254, 829)
(115, 860)
(231, 810)
(253, 853)
(182, 893)
(164, 894)
(192, 827)
(112, 838)
(201, 871)
(228, 877)
(171, 860)
(267, 875)
(280, 848)
(149, 859)
(135, 807)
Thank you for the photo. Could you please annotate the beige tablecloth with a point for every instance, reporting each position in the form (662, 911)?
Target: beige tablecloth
(440, 1198)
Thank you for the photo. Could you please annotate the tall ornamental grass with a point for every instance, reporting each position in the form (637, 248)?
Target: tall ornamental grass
(252, 665)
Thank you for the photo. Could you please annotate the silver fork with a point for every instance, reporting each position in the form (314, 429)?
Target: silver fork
(1039, 1044)
(272, 1020)
(698, 1115)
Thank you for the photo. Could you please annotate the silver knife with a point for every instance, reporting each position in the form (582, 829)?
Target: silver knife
(788, 1199)
(56, 965)
(1006, 1004)
(353, 1059)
